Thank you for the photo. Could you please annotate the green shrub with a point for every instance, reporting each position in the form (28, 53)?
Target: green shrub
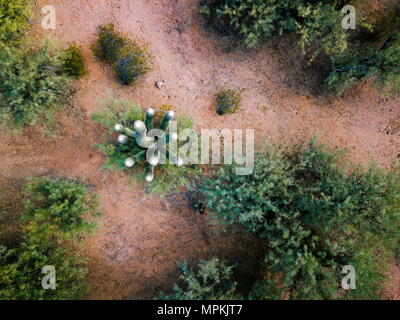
(347, 70)
(212, 281)
(109, 43)
(317, 23)
(21, 273)
(72, 62)
(228, 101)
(127, 58)
(130, 64)
(316, 216)
(169, 176)
(54, 219)
(114, 112)
(378, 59)
(387, 64)
(14, 16)
(59, 207)
(32, 86)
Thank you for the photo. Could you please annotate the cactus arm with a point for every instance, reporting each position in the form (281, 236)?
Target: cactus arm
(140, 156)
(149, 119)
(129, 162)
(149, 176)
(153, 156)
(121, 129)
(123, 139)
(140, 135)
(167, 118)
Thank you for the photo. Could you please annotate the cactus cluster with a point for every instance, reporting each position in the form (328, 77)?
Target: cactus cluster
(154, 143)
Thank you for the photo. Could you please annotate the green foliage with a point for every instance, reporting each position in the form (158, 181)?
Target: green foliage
(72, 61)
(21, 276)
(108, 44)
(381, 63)
(387, 64)
(348, 69)
(122, 112)
(316, 217)
(320, 29)
(373, 51)
(373, 54)
(128, 59)
(212, 281)
(55, 216)
(14, 16)
(228, 101)
(59, 207)
(169, 176)
(317, 23)
(130, 64)
(32, 86)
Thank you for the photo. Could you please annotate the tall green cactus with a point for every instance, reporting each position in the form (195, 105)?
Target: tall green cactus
(153, 143)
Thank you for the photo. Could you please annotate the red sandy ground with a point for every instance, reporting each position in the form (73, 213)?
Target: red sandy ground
(135, 251)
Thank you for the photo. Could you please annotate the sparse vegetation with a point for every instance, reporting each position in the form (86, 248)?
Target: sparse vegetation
(128, 59)
(14, 20)
(72, 61)
(228, 101)
(55, 218)
(212, 281)
(32, 86)
(11, 200)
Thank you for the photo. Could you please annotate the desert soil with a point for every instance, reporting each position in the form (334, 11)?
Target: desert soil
(141, 238)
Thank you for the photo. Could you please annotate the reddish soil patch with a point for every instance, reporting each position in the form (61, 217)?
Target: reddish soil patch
(135, 251)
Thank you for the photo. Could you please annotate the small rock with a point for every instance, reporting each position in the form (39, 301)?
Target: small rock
(159, 84)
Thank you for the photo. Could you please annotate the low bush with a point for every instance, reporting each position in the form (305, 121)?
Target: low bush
(32, 86)
(11, 208)
(130, 64)
(21, 273)
(212, 281)
(59, 207)
(55, 218)
(14, 15)
(72, 61)
(381, 64)
(127, 58)
(108, 43)
(228, 101)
